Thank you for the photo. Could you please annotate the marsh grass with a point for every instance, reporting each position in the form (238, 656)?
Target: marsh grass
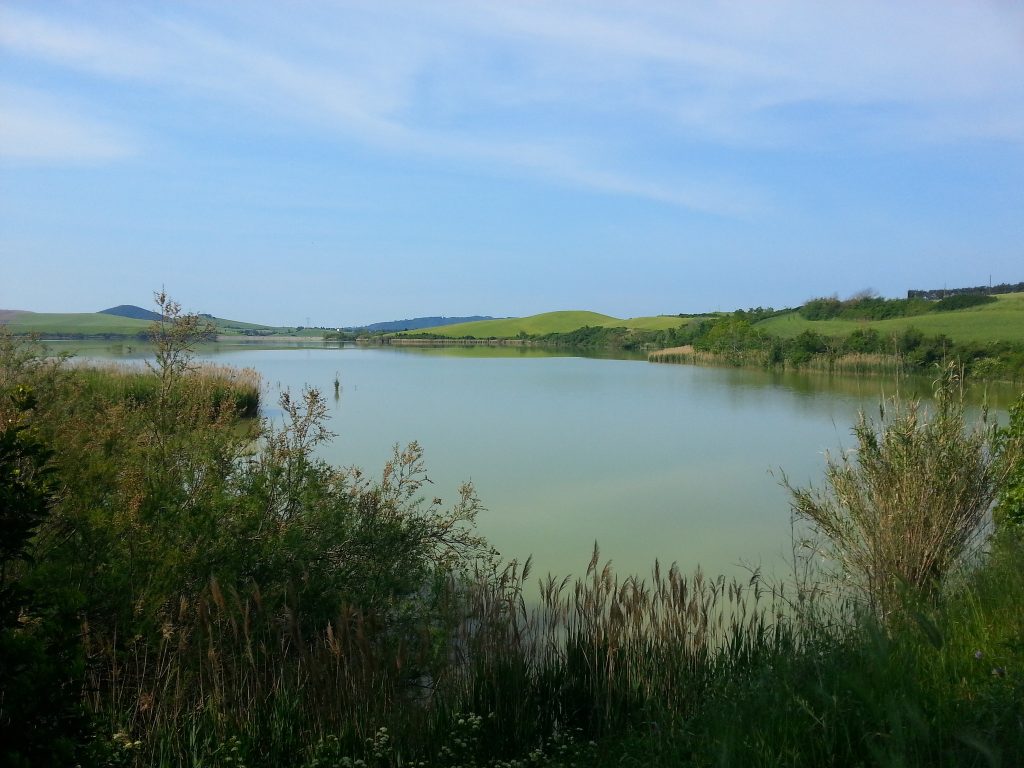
(676, 671)
(850, 363)
(220, 385)
(592, 658)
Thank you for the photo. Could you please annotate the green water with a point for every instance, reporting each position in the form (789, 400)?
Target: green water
(673, 462)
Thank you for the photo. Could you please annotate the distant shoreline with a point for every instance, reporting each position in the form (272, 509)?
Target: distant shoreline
(443, 342)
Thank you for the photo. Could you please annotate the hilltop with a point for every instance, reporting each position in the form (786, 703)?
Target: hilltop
(132, 311)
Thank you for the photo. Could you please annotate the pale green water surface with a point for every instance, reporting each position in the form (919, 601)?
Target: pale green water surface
(679, 463)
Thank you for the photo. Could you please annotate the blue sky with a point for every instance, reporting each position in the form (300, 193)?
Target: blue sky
(348, 162)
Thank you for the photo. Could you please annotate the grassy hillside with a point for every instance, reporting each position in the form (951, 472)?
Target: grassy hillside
(72, 323)
(105, 324)
(1002, 320)
(550, 322)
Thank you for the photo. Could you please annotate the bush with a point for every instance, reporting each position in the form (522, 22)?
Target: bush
(41, 720)
(903, 509)
(1010, 512)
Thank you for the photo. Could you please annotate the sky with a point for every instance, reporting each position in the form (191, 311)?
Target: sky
(342, 163)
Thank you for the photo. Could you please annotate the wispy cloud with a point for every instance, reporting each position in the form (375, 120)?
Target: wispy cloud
(567, 91)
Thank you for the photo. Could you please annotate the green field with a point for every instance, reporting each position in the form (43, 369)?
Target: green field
(548, 322)
(1000, 321)
(72, 323)
(102, 324)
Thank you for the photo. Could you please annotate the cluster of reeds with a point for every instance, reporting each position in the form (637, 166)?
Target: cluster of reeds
(856, 362)
(691, 356)
(592, 657)
(599, 653)
(219, 385)
(850, 363)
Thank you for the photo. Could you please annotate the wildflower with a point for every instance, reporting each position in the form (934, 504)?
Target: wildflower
(999, 672)
(978, 655)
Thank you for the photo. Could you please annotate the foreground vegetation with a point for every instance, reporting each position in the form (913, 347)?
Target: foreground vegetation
(177, 591)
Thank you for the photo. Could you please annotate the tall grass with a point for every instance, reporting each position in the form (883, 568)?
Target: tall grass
(593, 657)
(852, 363)
(222, 385)
(677, 671)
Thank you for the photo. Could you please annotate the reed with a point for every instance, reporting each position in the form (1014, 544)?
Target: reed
(593, 657)
(220, 385)
(599, 671)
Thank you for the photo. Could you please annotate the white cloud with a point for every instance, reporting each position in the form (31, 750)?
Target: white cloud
(561, 87)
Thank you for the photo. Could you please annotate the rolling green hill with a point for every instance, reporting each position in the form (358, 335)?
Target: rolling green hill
(1003, 320)
(548, 322)
(74, 323)
(86, 324)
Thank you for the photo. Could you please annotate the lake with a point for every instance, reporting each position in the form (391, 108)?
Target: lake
(674, 462)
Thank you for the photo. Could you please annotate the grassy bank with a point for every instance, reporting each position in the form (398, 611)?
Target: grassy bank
(1001, 320)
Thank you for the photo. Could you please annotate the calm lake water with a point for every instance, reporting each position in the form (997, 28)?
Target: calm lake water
(673, 462)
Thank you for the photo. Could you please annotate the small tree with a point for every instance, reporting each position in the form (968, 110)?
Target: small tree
(903, 508)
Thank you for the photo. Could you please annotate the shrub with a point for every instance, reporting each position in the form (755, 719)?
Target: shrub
(901, 511)
(1010, 512)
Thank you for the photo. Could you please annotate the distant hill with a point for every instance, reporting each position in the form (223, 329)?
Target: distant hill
(132, 311)
(57, 325)
(124, 321)
(416, 323)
